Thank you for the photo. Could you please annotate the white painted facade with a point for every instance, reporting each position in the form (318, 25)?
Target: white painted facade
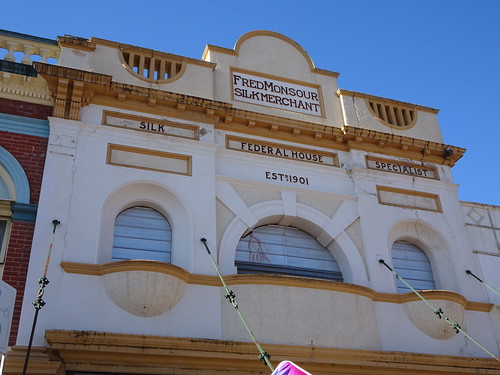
(355, 212)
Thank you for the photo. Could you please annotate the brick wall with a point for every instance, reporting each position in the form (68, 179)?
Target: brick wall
(16, 268)
(30, 152)
(19, 108)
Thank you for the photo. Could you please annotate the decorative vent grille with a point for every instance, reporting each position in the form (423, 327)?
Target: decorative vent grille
(151, 68)
(392, 115)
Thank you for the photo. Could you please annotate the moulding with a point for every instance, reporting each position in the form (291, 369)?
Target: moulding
(386, 122)
(5, 208)
(390, 189)
(278, 280)
(417, 167)
(151, 52)
(278, 79)
(106, 115)
(130, 70)
(24, 125)
(251, 34)
(17, 174)
(74, 89)
(24, 212)
(73, 42)
(316, 153)
(89, 351)
(356, 94)
(148, 152)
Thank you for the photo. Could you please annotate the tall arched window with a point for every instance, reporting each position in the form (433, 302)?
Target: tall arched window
(142, 233)
(285, 250)
(413, 265)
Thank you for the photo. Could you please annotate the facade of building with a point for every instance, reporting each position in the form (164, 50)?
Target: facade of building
(25, 105)
(300, 190)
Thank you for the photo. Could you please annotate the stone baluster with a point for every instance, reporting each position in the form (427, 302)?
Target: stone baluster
(44, 54)
(28, 51)
(11, 48)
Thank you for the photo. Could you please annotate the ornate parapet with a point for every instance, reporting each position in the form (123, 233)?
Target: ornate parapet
(18, 52)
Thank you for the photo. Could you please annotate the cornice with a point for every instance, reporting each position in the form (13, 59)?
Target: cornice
(88, 350)
(277, 280)
(81, 44)
(73, 89)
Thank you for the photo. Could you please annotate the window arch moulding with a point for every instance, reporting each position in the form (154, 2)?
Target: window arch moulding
(158, 198)
(309, 220)
(16, 173)
(433, 245)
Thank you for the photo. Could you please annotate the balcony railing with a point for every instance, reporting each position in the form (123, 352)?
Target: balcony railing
(17, 54)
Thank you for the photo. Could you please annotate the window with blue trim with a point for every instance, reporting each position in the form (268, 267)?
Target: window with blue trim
(142, 233)
(276, 249)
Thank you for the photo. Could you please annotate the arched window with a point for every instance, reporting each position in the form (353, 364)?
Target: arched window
(412, 264)
(7, 195)
(142, 233)
(285, 250)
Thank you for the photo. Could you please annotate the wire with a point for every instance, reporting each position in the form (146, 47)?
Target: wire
(231, 297)
(439, 312)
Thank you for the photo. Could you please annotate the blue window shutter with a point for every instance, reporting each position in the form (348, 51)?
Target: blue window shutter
(285, 250)
(142, 233)
(411, 263)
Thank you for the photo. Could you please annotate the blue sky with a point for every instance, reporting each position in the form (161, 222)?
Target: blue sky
(438, 53)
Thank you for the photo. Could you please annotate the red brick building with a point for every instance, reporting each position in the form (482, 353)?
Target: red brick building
(24, 108)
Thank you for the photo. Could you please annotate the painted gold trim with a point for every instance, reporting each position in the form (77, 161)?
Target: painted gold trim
(278, 280)
(412, 193)
(170, 124)
(167, 155)
(388, 101)
(100, 89)
(332, 155)
(402, 163)
(90, 351)
(232, 70)
(251, 34)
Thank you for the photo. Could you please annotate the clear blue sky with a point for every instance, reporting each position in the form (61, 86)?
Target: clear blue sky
(438, 53)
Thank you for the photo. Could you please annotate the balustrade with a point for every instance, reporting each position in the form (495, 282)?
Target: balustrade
(25, 49)
(16, 82)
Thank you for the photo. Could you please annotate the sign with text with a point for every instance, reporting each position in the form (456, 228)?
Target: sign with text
(151, 125)
(401, 167)
(251, 88)
(7, 300)
(281, 151)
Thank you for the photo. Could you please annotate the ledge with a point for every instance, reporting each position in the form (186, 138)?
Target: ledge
(277, 280)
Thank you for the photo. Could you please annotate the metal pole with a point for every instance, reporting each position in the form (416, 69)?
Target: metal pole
(39, 302)
(469, 272)
(231, 297)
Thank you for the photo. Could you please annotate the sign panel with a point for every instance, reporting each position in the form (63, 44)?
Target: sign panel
(151, 125)
(281, 151)
(402, 167)
(276, 93)
(7, 300)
